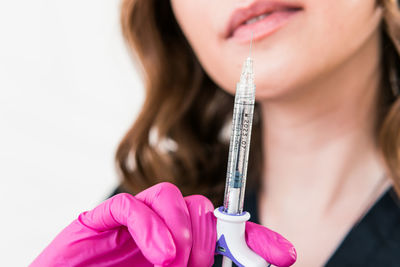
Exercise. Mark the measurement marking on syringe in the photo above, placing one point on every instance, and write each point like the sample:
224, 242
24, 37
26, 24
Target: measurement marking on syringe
244, 104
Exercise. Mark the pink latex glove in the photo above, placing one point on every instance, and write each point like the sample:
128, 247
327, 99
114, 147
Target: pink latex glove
157, 227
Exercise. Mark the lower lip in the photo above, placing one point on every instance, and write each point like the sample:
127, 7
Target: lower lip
263, 27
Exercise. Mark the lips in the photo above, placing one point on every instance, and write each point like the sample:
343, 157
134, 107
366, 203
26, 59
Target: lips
259, 18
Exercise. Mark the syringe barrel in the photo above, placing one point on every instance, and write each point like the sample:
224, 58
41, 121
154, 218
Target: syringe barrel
239, 148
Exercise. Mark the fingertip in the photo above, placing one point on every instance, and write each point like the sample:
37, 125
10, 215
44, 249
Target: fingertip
159, 189
287, 257
279, 252
109, 214
293, 254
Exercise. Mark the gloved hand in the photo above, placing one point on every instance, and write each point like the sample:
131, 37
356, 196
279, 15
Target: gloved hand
157, 227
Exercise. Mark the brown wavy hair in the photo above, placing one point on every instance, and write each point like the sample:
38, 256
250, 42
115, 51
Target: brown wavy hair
180, 133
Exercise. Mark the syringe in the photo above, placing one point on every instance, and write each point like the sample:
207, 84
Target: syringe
240, 140
231, 220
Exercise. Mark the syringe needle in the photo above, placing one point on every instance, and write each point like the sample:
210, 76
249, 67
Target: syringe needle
251, 42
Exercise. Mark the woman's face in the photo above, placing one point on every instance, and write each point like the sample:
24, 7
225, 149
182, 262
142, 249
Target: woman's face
298, 43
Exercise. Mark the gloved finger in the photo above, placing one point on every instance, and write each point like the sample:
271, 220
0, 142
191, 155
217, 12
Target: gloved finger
147, 229
167, 201
270, 245
204, 231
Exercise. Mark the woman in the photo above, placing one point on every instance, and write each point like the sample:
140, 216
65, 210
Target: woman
324, 153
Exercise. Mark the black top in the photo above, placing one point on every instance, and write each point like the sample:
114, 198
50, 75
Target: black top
373, 241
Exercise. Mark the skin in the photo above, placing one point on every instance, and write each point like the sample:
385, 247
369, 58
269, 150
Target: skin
317, 82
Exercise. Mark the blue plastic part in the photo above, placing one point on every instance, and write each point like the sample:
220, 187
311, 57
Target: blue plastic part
223, 249
222, 210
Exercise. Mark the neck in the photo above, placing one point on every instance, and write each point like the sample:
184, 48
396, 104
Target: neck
322, 142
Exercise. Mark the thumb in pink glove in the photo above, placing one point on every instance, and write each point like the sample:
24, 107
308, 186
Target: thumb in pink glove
156, 227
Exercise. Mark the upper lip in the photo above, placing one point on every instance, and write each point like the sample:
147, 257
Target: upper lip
257, 8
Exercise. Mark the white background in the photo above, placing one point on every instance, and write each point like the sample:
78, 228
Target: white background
68, 93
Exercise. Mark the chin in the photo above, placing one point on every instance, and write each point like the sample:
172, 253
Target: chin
268, 94
270, 91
